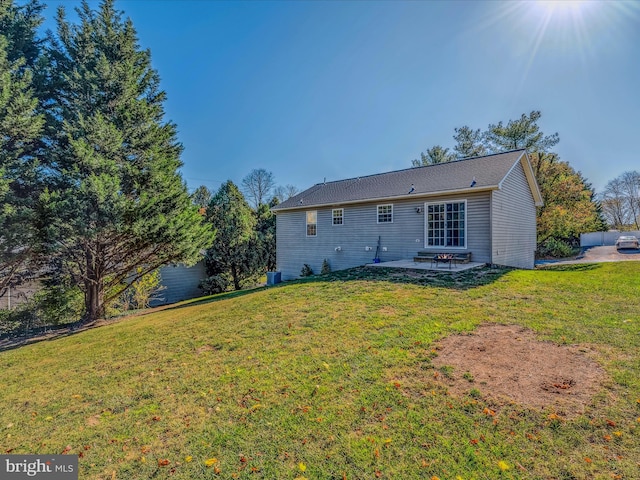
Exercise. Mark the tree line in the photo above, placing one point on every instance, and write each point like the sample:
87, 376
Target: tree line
92, 202
244, 248
571, 206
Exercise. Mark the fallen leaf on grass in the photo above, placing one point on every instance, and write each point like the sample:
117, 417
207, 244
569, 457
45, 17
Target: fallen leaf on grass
209, 462
502, 465
163, 462
302, 467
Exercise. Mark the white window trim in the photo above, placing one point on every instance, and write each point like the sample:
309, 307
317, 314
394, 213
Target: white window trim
306, 218
341, 216
426, 226
378, 212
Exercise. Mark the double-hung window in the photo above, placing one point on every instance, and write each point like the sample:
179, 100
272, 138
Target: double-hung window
337, 216
385, 213
312, 223
446, 224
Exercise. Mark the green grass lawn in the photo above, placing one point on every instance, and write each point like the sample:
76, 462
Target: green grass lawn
301, 381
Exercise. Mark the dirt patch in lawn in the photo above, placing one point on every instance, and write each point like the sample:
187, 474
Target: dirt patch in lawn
507, 363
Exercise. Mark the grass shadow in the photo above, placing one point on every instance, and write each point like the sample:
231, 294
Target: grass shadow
571, 267
465, 280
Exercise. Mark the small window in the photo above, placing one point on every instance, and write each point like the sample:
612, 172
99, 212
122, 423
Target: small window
312, 223
337, 215
385, 213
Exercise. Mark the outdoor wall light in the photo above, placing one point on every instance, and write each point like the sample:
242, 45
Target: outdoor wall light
418, 210
338, 249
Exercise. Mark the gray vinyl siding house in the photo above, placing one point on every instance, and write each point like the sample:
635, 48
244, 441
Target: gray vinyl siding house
485, 206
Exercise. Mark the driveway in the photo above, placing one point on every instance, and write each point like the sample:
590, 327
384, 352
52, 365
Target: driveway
598, 255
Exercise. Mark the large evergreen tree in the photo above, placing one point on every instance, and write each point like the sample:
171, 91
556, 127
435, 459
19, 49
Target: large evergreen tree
116, 207
469, 142
234, 252
521, 133
266, 235
434, 155
20, 130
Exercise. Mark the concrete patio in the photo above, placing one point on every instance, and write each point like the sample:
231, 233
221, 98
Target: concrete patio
440, 267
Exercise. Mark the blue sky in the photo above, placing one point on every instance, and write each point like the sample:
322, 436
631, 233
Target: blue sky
336, 89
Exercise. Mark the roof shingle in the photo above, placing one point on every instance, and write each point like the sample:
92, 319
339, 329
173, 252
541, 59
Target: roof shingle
488, 171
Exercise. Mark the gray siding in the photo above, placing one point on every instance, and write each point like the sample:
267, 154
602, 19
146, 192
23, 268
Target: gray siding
513, 222
402, 239
19, 295
180, 282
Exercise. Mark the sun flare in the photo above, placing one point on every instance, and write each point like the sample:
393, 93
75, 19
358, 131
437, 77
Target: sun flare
562, 7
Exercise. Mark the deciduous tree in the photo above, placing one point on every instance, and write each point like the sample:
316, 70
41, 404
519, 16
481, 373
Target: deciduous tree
569, 208
621, 201
257, 186
285, 192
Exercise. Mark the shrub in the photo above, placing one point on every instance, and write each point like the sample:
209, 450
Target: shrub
145, 289
58, 304
214, 284
552, 247
53, 305
17, 321
306, 271
326, 268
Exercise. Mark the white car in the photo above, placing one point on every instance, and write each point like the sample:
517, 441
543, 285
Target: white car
627, 241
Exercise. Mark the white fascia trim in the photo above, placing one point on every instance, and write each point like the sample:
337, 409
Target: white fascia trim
525, 161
